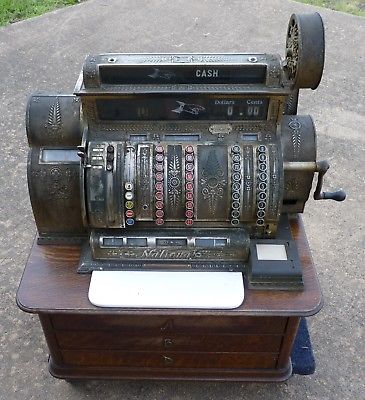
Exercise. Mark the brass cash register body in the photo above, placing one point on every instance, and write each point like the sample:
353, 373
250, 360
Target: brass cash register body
180, 161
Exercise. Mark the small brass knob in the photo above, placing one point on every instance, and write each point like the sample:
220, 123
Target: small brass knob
168, 360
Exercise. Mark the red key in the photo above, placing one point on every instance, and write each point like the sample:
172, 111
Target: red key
159, 213
189, 214
159, 186
129, 213
159, 195
159, 205
189, 176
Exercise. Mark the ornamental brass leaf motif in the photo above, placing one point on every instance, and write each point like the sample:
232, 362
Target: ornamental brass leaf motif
295, 126
212, 181
174, 182
145, 178
54, 122
292, 50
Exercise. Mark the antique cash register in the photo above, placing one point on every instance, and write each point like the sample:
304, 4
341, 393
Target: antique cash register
181, 162
167, 193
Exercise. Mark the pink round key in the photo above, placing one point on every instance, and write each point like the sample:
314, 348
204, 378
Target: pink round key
159, 196
159, 167
159, 213
159, 205
189, 176
159, 186
159, 157
159, 176
189, 214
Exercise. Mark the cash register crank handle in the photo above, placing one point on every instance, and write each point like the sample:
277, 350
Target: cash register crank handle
339, 195
321, 167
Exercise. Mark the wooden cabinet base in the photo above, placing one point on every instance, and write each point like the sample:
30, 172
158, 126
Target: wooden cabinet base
165, 347
250, 343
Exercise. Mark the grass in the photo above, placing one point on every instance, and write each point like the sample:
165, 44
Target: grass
356, 7
16, 10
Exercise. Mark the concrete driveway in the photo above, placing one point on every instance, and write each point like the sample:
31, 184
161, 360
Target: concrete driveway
47, 53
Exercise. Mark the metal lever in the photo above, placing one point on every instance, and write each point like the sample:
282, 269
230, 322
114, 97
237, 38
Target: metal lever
322, 167
82, 154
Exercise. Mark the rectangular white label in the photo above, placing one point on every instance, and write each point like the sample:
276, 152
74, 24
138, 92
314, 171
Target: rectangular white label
271, 252
60, 156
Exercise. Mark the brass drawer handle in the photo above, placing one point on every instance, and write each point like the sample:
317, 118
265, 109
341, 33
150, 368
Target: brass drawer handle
168, 360
168, 342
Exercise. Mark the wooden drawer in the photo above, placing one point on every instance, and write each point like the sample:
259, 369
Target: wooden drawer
189, 324
113, 358
94, 340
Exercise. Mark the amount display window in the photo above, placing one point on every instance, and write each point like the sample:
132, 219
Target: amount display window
167, 107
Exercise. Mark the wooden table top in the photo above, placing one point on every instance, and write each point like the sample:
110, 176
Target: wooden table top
50, 284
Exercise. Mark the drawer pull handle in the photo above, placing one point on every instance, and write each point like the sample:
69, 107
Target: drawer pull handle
168, 360
168, 342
